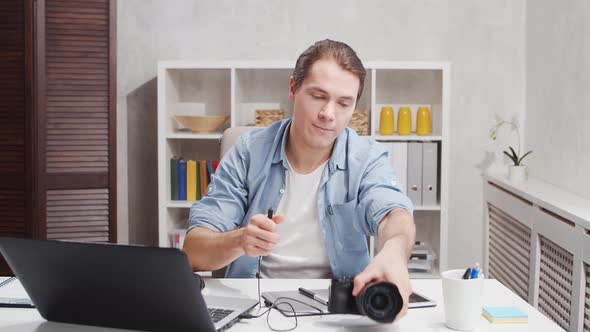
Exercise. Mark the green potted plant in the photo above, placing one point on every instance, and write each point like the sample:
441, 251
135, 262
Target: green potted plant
517, 172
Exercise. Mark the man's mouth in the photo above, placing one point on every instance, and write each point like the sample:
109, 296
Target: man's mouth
322, 128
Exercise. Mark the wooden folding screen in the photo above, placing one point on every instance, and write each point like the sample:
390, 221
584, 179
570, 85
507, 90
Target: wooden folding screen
57, 120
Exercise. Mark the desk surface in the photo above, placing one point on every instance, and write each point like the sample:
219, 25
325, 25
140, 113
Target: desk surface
423, 319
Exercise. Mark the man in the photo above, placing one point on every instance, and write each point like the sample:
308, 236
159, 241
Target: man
329, 187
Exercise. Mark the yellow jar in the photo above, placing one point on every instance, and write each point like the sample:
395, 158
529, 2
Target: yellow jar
423, 124
386, 121
404, 121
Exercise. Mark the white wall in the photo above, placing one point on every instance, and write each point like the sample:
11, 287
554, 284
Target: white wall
558, 92
484, 40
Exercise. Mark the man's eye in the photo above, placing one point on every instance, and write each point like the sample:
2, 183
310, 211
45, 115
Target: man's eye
344, 105
317, 97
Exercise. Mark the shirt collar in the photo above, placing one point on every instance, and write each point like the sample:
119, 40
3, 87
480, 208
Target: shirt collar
337, 159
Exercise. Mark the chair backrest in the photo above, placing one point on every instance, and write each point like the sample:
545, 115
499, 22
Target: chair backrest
228, 139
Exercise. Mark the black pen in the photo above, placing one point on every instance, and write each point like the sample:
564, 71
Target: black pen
269, 216
467, 273
313, 295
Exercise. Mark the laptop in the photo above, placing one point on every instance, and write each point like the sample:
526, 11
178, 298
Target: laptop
118, 286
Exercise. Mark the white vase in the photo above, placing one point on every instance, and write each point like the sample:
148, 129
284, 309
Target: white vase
517, 173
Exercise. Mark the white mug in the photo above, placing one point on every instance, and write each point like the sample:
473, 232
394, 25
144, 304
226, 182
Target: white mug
462, 299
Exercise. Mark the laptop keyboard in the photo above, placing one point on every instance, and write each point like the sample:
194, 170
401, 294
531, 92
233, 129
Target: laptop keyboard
218, 314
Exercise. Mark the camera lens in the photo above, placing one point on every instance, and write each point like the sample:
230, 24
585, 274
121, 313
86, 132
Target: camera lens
380, 301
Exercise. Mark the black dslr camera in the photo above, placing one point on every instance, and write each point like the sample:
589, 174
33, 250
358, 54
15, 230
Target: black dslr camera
380, 301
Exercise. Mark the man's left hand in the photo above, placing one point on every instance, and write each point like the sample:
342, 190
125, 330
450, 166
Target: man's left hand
390, 264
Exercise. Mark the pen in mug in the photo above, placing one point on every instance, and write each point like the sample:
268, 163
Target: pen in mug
471, 272
475, 271
467, 273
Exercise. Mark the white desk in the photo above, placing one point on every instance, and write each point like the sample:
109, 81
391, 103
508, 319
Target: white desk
423, 319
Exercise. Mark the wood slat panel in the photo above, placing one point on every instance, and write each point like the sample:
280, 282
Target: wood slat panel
555, 282
13, 134
78, 214
12, 89
509, 251
587, 298
77, 74
12, 212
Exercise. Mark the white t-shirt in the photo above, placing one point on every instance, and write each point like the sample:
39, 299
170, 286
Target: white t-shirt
301, 251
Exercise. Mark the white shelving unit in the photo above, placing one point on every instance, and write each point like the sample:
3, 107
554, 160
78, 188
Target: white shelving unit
238, 88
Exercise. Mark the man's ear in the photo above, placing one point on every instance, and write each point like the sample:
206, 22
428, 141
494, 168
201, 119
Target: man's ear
291, 89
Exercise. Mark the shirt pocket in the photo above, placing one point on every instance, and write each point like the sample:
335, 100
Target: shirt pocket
345, 219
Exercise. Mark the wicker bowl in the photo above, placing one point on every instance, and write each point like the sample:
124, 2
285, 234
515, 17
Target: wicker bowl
265, 118
202, 124
360, 122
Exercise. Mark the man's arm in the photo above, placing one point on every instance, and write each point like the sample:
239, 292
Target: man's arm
398, 225
208, 250
396, 235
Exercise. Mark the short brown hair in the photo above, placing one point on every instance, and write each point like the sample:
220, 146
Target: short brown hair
343, 54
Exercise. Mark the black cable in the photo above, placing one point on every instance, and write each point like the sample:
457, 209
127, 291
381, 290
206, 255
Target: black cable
278, 301
294, 315
283, 300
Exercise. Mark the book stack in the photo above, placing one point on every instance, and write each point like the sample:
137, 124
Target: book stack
422, 258
189, 178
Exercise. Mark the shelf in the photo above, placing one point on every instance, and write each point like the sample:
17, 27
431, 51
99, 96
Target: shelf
238, 88
180, 204
425, 275
188, 204
411, 137
193, 136
427, 208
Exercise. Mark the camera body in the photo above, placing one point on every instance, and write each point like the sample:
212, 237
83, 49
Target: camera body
380, 301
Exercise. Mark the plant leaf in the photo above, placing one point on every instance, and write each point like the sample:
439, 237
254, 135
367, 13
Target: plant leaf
526, 154
513, 153
514, 160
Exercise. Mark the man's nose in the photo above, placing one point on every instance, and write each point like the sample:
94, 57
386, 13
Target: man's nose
328, 111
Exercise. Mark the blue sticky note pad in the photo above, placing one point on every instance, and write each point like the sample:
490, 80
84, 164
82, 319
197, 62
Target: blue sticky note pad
505, 312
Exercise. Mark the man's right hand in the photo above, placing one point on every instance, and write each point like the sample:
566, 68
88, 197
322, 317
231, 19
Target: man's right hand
260, 236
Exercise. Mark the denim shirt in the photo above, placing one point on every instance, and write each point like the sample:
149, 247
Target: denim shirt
357, 189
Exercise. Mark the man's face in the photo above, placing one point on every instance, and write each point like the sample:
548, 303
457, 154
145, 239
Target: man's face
323, 104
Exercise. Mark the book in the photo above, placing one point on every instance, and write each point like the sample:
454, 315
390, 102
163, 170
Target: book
198, 180
191, 180
504, 315
182, 180
177, 238
174, 179
215, 164
203, 177
209, 171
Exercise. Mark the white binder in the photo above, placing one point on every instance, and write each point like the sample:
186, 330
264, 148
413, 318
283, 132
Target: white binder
415, 173
400, 163
429, 173
398, 155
